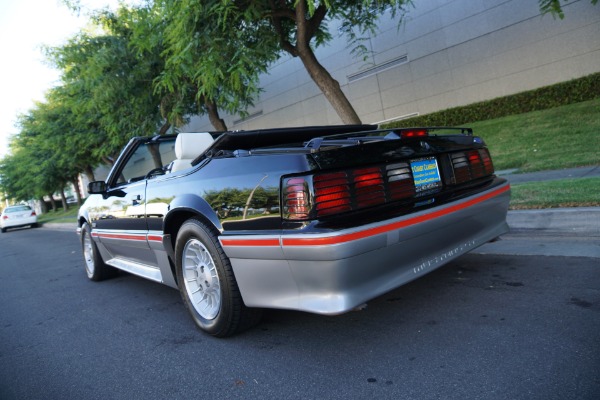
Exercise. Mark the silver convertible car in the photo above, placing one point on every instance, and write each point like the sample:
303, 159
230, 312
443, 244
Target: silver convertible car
318, 219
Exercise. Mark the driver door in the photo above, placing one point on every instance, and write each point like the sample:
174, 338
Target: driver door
121, 226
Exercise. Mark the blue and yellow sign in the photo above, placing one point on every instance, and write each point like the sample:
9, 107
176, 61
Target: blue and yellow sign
426, 174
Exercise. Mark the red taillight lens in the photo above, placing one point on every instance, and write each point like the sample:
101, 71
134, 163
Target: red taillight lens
414, 133
477, 170
368, 185
332, 193
33, 214
488, 165
471, 165
5, 217
296, 199
367, 177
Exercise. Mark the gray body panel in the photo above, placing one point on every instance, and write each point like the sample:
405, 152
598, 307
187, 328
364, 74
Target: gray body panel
335, 272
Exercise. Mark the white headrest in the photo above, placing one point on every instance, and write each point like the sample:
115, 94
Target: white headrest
189, 145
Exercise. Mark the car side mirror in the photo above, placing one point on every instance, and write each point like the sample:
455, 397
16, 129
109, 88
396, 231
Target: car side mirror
97, 187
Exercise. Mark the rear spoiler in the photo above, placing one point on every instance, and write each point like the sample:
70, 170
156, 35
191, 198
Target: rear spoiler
322, 143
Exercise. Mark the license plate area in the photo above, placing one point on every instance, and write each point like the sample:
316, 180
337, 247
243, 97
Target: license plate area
426, 174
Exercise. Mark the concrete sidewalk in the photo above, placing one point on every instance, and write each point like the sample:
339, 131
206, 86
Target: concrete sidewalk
580, 172
62, 226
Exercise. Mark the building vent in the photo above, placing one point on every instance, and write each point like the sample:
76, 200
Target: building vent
248, 117
378, 68
405, 116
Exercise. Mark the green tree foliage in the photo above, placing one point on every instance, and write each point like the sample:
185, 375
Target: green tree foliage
16, 180
249, 34
554, 7
211, 67
106, 97
111, 81
38, 163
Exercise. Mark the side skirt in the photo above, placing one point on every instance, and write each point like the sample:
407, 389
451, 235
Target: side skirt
139, 269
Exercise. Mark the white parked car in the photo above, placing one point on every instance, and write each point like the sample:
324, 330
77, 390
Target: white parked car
17, 216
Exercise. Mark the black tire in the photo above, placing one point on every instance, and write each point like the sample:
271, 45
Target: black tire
3, 230
207, 283
95, 267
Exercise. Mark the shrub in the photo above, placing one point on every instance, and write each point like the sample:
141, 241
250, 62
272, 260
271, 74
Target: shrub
573, 91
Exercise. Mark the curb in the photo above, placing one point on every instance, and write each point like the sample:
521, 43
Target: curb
580, 220
65, 226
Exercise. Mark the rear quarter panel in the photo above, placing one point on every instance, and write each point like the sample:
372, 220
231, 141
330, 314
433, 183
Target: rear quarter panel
234, 194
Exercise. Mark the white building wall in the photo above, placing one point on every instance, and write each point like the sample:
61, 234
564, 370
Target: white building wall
457, 52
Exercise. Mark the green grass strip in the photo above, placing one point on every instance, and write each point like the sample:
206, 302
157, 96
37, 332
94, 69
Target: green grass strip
572, 192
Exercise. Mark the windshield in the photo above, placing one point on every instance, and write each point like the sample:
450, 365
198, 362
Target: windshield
17, 209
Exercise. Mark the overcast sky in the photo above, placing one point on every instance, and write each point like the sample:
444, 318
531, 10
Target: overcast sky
26, 25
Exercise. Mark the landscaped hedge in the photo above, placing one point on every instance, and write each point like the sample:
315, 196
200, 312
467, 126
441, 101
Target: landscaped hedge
574, 91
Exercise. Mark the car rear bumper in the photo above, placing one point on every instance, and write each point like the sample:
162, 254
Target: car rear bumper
331, 273
20, 222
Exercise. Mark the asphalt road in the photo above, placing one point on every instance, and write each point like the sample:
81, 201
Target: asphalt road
484, 327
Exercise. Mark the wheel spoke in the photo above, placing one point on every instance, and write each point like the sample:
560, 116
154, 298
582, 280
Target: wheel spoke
197, 290
189, 267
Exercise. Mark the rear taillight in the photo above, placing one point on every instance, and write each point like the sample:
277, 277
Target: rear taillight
33, 214
471, 165
476, 164
488, 166
5, 217
296, 199
400, 181
332, 193
368, 186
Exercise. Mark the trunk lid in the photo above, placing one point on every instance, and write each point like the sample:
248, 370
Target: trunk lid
363, 170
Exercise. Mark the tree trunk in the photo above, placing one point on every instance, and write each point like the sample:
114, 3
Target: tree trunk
43, 205
108, 160
249, 200
89, 172
63, 198
213, 115
163, 129
329, 86
155, 153
52, 202
77, 190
